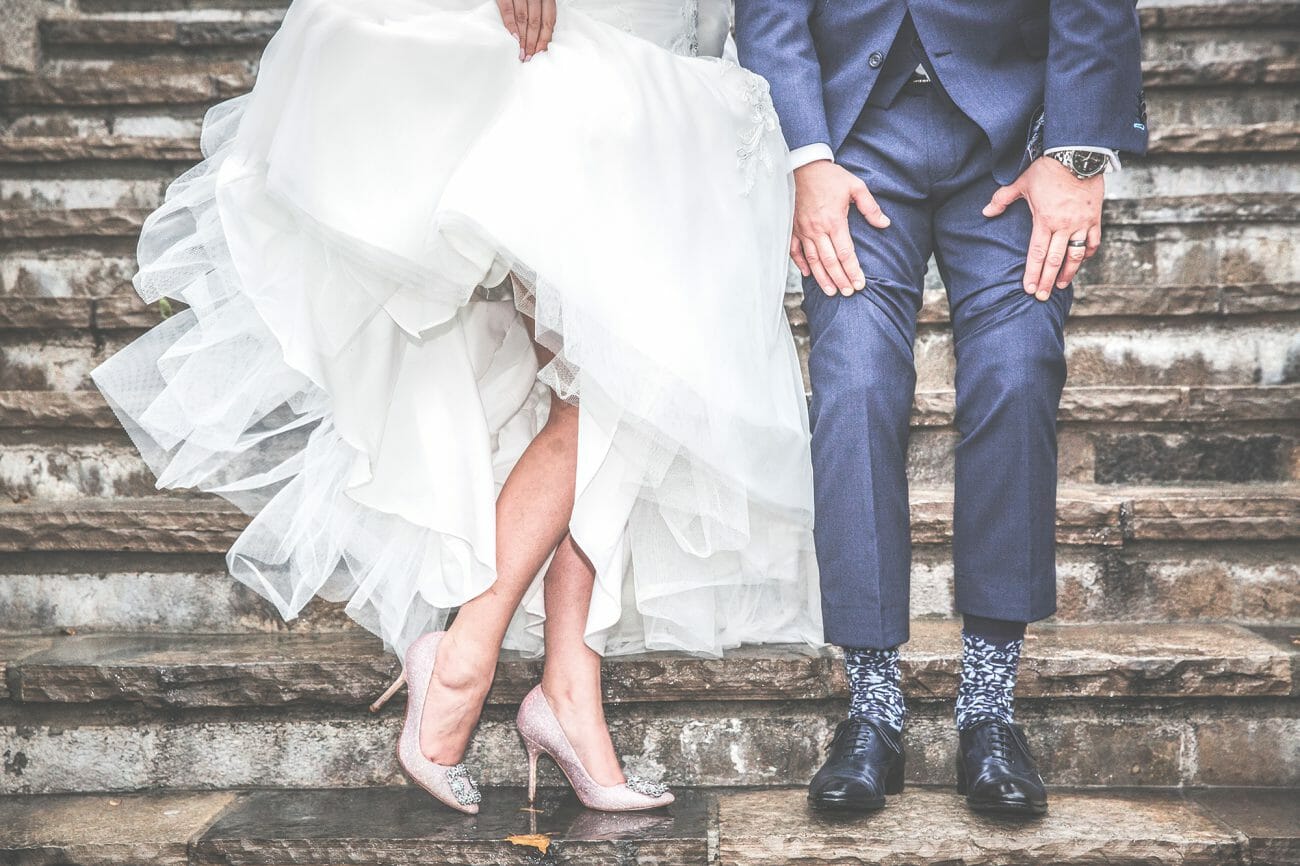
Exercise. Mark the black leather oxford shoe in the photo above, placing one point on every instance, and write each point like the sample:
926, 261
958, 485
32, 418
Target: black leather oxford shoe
996, 772
865, 764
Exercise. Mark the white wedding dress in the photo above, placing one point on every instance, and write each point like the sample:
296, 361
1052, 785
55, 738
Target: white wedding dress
342, 374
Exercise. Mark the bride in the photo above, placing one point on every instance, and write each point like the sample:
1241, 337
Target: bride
484, 312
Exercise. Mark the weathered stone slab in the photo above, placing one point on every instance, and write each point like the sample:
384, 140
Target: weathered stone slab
60, 410
1248, 751
934, 826
1269, 70
104, 830
405, 827
1232, 404
67, 273
72, 748
13, 650
131, 82
21, 312
57, 223
1241, 513
49, 149
1139, 457
1259, 207
144, 594
67, 471
1105, 516
72, 466
1246, 583
1255, 138
157, 525
219, 28
1270, 819
1181, 15
350, 668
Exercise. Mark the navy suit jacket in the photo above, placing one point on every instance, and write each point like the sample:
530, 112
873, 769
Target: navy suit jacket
1000, 60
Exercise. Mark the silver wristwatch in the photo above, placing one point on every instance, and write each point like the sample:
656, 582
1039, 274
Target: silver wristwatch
1082, 163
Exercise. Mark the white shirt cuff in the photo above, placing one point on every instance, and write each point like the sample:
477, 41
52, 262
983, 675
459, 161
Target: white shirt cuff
801, 156
1112, 157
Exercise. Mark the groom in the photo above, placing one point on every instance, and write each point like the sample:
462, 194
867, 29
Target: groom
979, 133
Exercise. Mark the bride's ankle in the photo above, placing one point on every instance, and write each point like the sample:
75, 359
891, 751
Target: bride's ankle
461, 668
569, 697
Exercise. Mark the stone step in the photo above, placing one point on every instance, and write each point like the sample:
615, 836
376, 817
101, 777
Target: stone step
1087, 515
1101, 352
200, 28
705, 827
1198, 126
1180, 140
182, 80
124, 311
1247, 582
119, 208
1158, 435
190, 671
1127, 405
1114, 704
1207, 261
772, 828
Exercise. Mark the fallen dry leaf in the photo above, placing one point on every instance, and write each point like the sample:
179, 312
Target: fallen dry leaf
540, 841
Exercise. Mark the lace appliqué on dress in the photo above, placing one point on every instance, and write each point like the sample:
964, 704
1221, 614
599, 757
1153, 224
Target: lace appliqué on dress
688, 43
755, 153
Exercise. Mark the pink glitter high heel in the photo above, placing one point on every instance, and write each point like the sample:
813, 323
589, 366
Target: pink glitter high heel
543, 735
451, 785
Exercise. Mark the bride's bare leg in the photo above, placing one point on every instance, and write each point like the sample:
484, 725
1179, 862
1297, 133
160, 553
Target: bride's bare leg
532, 515
571, 680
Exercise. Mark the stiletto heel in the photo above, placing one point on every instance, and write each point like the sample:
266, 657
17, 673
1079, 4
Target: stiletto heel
534, 752
450, 785
542, 733
392, 690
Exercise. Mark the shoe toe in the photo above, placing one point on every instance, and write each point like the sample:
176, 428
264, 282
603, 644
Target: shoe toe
1015, 794
839, 788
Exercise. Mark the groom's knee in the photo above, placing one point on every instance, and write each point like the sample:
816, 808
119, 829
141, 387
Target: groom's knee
1020, 370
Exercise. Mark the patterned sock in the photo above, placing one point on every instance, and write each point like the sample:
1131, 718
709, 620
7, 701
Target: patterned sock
990, 659
875, 686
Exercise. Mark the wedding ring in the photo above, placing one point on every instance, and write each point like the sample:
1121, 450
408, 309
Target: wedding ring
1077, 244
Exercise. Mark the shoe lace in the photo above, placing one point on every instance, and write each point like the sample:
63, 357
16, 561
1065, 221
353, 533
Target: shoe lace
857, 735
1000, 740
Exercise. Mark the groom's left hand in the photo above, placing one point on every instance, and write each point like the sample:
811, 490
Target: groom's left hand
1065, 209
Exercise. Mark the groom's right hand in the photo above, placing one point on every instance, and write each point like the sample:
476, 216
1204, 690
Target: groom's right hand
822, 246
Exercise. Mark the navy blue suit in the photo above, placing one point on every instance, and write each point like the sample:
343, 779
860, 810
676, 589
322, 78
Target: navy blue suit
932, 155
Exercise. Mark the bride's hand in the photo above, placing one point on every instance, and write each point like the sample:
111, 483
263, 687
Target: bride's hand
531, 22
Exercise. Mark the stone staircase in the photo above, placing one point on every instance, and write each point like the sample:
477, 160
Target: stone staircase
152, 711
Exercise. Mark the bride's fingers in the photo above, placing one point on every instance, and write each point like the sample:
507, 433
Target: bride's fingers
521, 26
534, 27
507, 10
796, 255
548, 25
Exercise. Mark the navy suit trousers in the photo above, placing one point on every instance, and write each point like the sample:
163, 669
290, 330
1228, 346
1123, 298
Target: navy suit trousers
931, 169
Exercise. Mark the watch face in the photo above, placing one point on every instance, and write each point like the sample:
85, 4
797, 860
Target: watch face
1088, 163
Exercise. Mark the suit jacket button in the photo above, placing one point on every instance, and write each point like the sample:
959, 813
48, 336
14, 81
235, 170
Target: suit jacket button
875, 59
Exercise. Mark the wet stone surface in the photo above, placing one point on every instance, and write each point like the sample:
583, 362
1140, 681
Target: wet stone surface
108, 830
934, 826
1271, 819
397, 826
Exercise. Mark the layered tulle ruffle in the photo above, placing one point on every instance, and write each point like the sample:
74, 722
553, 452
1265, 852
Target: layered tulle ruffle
340, 374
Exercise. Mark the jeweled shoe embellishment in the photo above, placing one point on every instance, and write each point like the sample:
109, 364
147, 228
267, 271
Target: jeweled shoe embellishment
646, 787
462, 785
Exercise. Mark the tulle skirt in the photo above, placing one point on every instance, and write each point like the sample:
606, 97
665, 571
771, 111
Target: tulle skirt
352, 367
